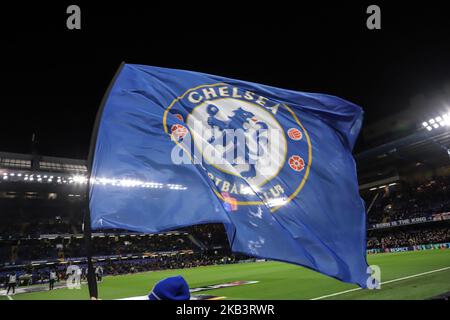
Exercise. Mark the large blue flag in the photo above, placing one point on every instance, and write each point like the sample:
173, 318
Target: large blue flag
176, 148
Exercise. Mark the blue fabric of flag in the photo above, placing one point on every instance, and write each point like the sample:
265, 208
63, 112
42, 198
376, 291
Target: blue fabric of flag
294, 198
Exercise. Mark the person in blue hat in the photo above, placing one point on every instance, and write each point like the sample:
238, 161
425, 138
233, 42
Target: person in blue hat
172, 288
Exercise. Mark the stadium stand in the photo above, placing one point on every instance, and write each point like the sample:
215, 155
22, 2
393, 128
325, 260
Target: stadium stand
411, 201
41, 209
408, 236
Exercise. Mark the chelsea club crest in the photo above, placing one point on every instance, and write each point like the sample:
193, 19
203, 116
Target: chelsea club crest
255, 149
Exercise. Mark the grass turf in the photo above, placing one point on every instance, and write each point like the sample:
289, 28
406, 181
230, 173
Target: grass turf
282, 280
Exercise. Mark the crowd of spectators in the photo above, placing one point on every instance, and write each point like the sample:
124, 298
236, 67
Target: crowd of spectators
410, 201
32, 229
29, 218
211, 235
40, 274
407, 237
174, 261
26, 250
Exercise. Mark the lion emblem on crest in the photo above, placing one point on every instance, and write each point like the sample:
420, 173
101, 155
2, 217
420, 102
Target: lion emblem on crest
247, 122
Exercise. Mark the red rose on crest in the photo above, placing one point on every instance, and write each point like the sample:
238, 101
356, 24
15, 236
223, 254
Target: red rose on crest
296, 163
178, 131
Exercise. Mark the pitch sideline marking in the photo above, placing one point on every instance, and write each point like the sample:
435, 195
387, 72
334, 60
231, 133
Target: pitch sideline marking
10, 298
386, 282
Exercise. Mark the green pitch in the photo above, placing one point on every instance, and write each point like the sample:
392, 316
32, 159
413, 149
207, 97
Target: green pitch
285, 281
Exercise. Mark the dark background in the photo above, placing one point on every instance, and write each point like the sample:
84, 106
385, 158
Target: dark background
53, 79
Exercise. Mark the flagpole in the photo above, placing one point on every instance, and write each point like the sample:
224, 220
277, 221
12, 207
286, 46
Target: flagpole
92, 283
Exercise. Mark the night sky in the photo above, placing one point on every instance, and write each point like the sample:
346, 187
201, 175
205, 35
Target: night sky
53, 79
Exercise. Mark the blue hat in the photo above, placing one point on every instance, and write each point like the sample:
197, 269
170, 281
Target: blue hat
172, 288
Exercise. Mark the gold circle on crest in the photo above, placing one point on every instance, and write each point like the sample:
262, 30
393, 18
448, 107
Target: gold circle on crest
247, 203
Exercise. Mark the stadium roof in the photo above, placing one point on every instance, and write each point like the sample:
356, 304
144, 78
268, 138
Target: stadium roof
20, 161
422, 149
